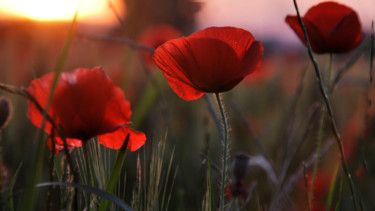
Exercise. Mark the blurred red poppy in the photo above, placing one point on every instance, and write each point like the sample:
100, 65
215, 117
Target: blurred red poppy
331, 28
86, 104
155, 36
212, 60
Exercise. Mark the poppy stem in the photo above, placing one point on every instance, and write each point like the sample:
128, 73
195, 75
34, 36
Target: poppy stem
329, 108
225, 151
322, 125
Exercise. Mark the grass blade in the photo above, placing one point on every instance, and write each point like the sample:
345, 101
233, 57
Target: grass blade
332, 188
11, 185
111, 186
89, 189
37, 165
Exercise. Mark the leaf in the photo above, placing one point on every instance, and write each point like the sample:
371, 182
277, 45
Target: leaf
90, 189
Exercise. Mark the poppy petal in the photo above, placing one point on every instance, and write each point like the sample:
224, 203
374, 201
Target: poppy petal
214, 64
166, 58
39, 89
240, 40
347, 31
317, 40
252, 58
331, 27
200, 63
116, 139
327, 15
84, 115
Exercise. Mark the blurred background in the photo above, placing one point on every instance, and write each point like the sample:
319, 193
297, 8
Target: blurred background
271, 107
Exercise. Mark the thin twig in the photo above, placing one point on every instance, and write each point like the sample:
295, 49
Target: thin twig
352, 61
322, 124
329, 108
369, 99
125, 41
372, 50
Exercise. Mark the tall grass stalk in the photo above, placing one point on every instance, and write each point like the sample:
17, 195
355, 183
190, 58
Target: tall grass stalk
28, 198
322, 125
332, 187
372, 49
154, 180
329, 109
115, 174
224, 173
11, 186
94, 172
306, 186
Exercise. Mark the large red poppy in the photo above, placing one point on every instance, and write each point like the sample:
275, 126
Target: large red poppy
211, 60
331, 28
86, 104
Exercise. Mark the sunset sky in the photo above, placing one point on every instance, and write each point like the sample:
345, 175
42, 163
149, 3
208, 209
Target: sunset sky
93, 11
265, 19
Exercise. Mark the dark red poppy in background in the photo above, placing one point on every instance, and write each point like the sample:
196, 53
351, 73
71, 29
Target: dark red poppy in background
211, 60
155, 36
331, 28
86, 104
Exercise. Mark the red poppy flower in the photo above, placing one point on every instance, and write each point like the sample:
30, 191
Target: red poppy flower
156, 36
211, 60
86, 104
331, 27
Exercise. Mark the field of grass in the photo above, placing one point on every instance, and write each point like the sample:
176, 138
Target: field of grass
283, 151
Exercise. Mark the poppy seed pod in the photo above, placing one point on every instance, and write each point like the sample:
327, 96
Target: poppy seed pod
241, 166
5, 112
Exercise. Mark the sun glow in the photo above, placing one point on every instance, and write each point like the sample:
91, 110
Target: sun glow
51, 10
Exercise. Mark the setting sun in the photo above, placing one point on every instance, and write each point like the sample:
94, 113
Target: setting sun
48, 10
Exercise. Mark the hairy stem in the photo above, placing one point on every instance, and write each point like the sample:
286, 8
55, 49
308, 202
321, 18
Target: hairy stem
225, 151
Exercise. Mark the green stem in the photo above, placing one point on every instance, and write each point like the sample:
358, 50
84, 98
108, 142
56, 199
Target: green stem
225, 152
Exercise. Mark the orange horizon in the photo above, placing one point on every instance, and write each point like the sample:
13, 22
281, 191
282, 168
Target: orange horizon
89, 11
